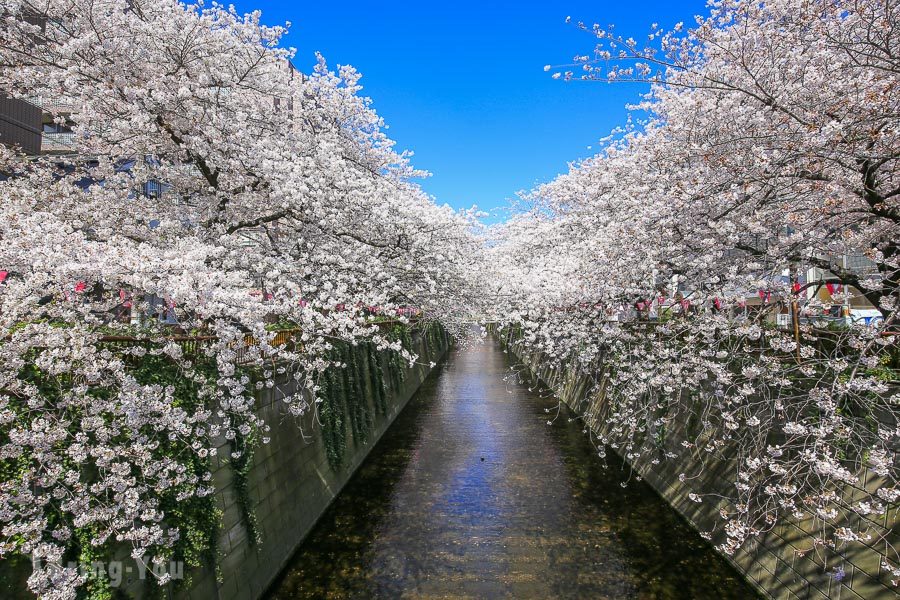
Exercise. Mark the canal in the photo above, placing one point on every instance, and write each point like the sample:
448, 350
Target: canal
471, 494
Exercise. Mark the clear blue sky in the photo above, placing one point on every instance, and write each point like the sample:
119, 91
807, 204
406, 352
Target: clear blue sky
461, 83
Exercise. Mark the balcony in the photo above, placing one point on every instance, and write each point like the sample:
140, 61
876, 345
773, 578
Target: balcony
58, 143
55, 105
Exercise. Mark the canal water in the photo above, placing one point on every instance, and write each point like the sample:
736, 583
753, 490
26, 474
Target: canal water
471, 494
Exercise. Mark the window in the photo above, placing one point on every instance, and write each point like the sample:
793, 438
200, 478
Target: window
56, 128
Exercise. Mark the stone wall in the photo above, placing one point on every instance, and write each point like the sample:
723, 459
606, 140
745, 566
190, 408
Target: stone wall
782, 564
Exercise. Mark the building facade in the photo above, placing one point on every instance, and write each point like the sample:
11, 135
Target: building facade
20, 124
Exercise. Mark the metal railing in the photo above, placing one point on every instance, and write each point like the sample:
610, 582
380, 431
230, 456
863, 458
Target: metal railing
58, 142
194, 345
55, 104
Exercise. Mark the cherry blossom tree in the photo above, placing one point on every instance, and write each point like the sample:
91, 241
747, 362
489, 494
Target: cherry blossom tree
282, 202
766, 147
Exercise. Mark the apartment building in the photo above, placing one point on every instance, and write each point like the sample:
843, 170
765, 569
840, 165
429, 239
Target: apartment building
20, 124
34, 127
21, 121
56, 126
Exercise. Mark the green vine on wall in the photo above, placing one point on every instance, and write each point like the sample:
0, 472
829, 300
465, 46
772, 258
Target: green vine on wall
97, 586
396, 363
245, 445
360, 415
197, 518
345, 410
379, 389
333, 422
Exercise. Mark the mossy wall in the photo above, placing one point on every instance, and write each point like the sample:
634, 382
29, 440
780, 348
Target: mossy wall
781, 564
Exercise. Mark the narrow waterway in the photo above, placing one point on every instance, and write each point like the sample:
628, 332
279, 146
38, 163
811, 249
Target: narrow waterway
471, 494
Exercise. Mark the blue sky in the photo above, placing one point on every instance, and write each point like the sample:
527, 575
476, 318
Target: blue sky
462, 84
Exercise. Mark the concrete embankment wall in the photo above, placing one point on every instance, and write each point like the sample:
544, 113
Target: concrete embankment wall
291, 481
783, 563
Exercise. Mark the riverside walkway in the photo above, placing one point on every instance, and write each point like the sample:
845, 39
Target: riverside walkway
471, 494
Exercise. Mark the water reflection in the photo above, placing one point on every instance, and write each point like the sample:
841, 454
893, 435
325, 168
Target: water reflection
471, 495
